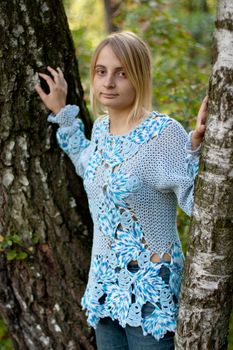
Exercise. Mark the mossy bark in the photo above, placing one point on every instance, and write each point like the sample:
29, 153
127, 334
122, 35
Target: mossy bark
206, 296
44, 211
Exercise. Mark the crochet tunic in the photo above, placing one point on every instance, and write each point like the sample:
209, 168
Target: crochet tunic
134, 183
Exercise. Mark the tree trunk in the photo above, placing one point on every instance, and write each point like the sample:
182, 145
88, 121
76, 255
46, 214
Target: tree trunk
200, 5
206, 297
111, 10
44, 217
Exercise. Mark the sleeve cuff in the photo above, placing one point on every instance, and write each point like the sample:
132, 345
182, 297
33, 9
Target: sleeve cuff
66, 116
188, 146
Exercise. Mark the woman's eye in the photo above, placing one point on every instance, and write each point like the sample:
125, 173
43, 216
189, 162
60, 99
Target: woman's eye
122, 74
100, 72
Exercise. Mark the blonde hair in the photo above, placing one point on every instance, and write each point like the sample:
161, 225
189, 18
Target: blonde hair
135, 57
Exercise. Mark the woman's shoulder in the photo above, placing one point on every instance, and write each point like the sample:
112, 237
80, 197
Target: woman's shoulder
163, 118
151, 127
155, 126
172, 134
164, 122
157, 118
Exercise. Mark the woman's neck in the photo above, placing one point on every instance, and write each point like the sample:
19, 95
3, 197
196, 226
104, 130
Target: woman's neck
120, 123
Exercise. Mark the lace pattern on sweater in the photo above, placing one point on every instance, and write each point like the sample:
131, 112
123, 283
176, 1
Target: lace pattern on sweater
114, 290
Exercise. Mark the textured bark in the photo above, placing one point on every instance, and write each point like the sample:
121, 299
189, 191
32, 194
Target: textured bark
206, 297
42, 200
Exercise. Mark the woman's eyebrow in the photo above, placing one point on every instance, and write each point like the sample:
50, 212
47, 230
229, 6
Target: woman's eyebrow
102, 66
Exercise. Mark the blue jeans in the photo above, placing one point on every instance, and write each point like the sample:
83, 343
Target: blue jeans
111, 336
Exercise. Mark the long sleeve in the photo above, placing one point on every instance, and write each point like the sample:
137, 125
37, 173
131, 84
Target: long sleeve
71, 138
177, 165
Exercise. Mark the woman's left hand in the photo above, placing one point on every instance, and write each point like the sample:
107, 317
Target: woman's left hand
199, 132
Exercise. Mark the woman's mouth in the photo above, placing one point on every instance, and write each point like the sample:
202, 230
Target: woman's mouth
107, 95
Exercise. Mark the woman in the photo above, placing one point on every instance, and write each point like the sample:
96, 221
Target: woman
138, 166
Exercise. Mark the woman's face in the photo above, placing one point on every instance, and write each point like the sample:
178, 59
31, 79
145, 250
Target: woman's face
111, 85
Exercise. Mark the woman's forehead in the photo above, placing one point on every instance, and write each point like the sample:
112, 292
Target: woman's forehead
107, 57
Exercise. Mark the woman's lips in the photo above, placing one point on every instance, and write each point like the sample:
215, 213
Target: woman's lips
108, 95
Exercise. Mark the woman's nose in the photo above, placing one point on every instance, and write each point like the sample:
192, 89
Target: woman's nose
109, 81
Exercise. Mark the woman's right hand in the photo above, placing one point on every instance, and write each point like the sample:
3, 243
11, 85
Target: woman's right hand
56, 99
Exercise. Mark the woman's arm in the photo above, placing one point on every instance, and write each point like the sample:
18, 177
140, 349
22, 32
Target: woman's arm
171, 171
176, 159
70, 134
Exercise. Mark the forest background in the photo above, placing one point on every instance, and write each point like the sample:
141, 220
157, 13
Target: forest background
179, 34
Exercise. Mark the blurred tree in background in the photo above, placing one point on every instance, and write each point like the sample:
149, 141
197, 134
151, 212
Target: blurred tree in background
179, 34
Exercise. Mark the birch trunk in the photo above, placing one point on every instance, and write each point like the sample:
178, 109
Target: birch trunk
44, 217
206, 297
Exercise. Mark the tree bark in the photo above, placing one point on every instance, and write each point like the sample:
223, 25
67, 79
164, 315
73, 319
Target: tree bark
206, 296
45, 223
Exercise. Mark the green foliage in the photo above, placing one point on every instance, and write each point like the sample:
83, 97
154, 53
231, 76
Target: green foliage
87, 24
12, 246
181, 64
5, 342
18, 247
14, 254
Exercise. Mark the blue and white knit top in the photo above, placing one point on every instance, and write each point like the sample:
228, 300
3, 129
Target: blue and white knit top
134, 183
